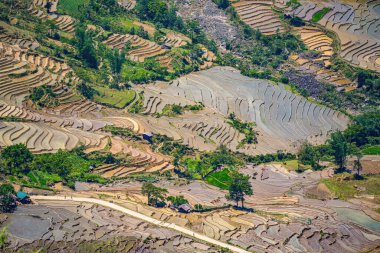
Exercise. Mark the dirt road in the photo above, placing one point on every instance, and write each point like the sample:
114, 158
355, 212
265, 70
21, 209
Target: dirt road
151, 220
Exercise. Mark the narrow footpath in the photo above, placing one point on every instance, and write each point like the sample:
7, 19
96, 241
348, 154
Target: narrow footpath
140, 216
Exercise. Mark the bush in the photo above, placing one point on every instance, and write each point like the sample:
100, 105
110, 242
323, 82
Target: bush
245, 128
364, 128
278, 157
7, 199
44, 169
177, 200
43, 96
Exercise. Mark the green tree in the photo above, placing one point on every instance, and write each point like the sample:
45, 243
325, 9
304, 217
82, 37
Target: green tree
86, 90
222, 4
7, 199
86, 47
177, 200
365, 128
196, 168
239, 187
357, 162
155, 194
340, 148
308, 155
177, 109
16, 159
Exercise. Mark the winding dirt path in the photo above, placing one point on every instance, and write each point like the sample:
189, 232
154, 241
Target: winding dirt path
144, 218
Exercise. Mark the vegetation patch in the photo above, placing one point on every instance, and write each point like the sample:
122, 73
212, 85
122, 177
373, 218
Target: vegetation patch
372, 150
72, 7
320, 14
20, 166
172, 110
44, 96
245, 128
344, 186
293, 4
291, 165
114, 98
137, 105
205, 163
13, 119
220, 178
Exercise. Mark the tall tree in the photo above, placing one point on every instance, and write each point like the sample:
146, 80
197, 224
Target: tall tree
308, 155
239, 187
7, 198
154, 193
85, 44
340, 148
357, 162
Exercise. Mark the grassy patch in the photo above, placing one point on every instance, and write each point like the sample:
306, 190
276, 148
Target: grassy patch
373, 150
114, 98
289, 165
42, 179
220, 179
344, 187
72, 7
320, 14
137, 74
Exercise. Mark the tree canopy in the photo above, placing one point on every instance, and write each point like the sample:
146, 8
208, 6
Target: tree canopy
240, 186
156, 195
340, 148
7, 198
308, 155
15, 159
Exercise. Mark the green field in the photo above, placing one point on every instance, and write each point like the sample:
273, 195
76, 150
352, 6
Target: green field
220, 179
289, 165
373, 150
320, 14
42, 179
115, 98
344, 189
72, 7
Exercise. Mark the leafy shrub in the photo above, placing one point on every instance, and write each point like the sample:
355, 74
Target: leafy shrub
43, 96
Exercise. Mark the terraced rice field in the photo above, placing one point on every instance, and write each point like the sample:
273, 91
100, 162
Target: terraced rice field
64, 22
259, 15
10, 38
281, 116
280, 224
176, 40
357, 25
143, 161
63, 127
21, 71
144, 48
70, 227
315, 39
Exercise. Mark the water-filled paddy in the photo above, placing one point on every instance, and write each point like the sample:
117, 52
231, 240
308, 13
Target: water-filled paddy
357, 217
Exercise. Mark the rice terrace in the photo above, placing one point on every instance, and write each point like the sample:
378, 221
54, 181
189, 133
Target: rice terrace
189, 126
